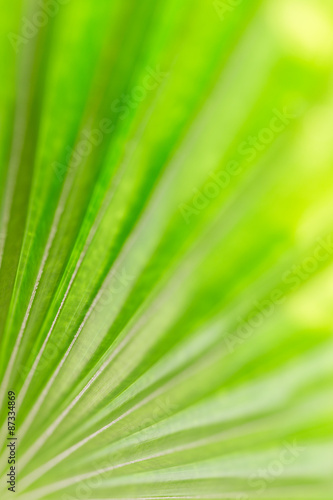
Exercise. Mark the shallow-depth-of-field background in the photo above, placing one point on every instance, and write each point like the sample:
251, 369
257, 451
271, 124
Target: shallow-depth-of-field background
166, 249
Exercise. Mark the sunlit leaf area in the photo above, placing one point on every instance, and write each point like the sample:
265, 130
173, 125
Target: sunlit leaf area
166, 249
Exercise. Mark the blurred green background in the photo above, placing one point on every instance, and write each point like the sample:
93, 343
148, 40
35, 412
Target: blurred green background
166, 248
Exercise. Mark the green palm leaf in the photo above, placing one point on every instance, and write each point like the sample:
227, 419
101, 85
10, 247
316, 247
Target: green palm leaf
166, 249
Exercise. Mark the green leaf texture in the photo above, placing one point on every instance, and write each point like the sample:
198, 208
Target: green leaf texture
166, 248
